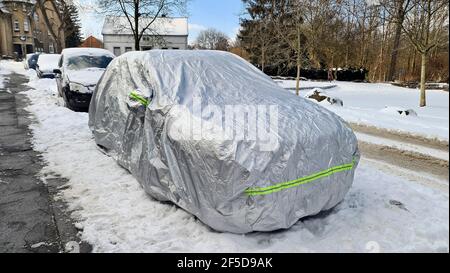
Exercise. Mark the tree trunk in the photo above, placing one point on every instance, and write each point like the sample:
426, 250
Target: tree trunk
137, 44
299, 62
398, 34
263, 59
49, 26
414, 65
423, 81
137, 39
297, 86
394, 54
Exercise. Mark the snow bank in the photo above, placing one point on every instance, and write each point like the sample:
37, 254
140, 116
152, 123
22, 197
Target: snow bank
365, 104
8, 67
117, 216
321, 97
395, 110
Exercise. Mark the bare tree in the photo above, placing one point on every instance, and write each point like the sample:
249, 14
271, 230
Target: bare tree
289, 27
141, 14
257, 30
398, 10
425, 32
283, 36
212, 39
55, 32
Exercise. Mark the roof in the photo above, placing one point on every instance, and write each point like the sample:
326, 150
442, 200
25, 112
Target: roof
92, 41
91, 37
164, 26
4, 9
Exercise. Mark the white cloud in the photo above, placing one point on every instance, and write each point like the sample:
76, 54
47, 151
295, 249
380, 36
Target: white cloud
196, 27
194, 30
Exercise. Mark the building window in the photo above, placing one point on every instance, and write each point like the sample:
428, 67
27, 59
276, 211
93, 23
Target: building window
117, 51
51, 48
128, 49
26, 25
175, 48
16, 25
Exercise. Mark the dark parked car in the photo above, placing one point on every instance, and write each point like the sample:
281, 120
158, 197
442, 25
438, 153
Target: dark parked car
31, 60
78, 72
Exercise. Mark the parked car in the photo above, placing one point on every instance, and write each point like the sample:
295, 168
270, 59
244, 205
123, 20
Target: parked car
78, 72
31, 60
211, 133
46, 65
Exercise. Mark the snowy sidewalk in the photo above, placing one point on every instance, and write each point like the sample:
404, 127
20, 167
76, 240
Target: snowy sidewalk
31, 221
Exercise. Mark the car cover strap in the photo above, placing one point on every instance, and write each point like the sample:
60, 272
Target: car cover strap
300, 181
135, 96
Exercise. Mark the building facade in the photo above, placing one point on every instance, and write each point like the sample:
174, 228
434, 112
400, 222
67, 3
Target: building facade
164, 33
23, 30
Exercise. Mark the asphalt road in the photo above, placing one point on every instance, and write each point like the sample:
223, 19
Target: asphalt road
31, 220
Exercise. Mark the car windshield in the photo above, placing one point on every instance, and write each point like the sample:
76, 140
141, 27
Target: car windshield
33, 58
83, 62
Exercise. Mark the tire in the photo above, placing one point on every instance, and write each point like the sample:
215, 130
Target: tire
65, 101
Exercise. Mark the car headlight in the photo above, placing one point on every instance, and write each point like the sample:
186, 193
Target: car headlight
76, 87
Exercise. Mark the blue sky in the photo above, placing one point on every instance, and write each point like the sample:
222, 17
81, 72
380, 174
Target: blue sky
220, 14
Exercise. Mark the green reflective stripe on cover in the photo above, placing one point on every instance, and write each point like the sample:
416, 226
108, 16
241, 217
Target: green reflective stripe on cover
139, 98
300, 181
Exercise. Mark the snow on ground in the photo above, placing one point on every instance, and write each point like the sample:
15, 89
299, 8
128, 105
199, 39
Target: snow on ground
384, 211
7, 67
365, 103
4, 70
403, 146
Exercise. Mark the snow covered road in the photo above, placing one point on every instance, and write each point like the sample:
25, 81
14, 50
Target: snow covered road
404, 146
387, 210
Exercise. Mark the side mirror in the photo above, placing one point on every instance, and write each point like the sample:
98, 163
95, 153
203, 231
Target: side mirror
57, 71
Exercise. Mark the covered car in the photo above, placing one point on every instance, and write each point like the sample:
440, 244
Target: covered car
209, 132
46, 65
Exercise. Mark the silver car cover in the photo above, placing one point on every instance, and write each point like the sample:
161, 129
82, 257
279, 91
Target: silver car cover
144, 113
